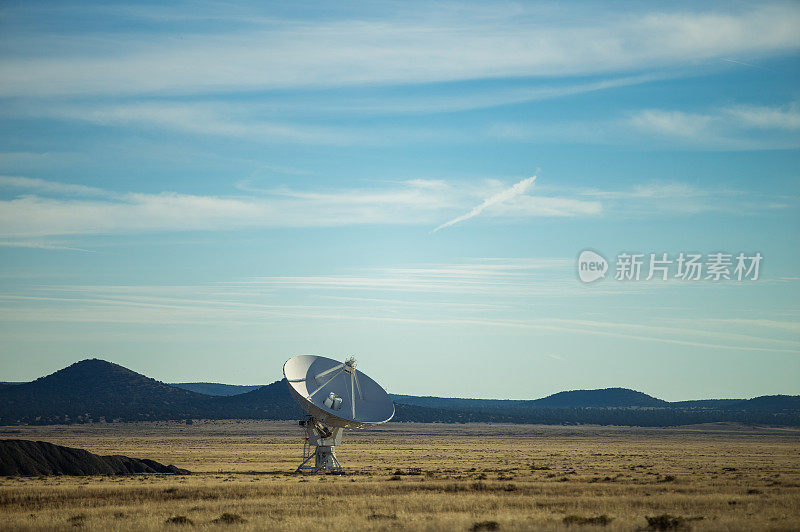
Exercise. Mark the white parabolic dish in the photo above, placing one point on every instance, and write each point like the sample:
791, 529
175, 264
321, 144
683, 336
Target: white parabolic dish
358, 401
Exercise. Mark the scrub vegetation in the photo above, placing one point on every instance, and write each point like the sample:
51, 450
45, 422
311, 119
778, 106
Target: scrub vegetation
420, 477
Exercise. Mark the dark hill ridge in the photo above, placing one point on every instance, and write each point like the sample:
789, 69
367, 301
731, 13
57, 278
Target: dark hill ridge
214, 388
601, 398
272, 401
96, 390
605, 398
33, 458
772, 403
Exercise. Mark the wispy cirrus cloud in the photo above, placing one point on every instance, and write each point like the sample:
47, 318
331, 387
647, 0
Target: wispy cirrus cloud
493, 295
759, 116
35, 244
48, 208
44, 186
35, 207
734, 127
203, 118
395, 45
265, 121
681, 198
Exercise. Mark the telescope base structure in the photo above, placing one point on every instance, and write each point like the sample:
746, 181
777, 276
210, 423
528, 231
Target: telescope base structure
318, 447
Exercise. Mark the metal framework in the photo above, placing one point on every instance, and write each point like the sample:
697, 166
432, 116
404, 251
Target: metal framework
323, 440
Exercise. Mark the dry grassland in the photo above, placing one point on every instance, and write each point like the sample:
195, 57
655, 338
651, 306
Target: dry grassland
420, 477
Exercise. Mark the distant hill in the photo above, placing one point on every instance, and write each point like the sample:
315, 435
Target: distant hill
96, 390
457, 402
93, 390
33, 458
605, 398
770, 403
214, 388
707, 403
272, 401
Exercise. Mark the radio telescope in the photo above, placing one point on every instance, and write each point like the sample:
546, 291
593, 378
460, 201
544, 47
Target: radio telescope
336, 396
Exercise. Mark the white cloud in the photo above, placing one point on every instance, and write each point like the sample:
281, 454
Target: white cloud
43, 186
40, 208
547, 206
53, 208
216, 118
736, 127
674, 123
401, 45
787, 117
35, 244
493, 295
732, 126
658, 190
245, 121
473, 98
665, 197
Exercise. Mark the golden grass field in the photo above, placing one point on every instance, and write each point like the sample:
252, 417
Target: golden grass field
419, 477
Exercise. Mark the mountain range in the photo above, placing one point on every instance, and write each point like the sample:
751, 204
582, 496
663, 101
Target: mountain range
95, 390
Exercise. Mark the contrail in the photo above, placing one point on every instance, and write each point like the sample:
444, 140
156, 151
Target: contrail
505, 195
748, 65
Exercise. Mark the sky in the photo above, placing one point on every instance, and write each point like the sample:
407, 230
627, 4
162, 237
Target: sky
200, 190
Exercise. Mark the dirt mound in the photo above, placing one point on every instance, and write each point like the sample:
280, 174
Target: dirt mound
30, 458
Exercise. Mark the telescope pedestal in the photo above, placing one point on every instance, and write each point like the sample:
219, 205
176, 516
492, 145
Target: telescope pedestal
323, 440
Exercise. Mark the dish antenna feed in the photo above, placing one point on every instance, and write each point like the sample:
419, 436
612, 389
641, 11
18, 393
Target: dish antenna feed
336, 397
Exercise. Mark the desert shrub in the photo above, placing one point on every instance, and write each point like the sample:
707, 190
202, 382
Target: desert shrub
410, 471
179, 520
77, 520
485, 525
665, 522
229, 519
376, 516
601, 520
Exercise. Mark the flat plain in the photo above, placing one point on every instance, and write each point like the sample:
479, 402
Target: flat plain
420, 477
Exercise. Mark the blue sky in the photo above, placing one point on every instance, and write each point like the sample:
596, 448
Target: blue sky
199, 191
